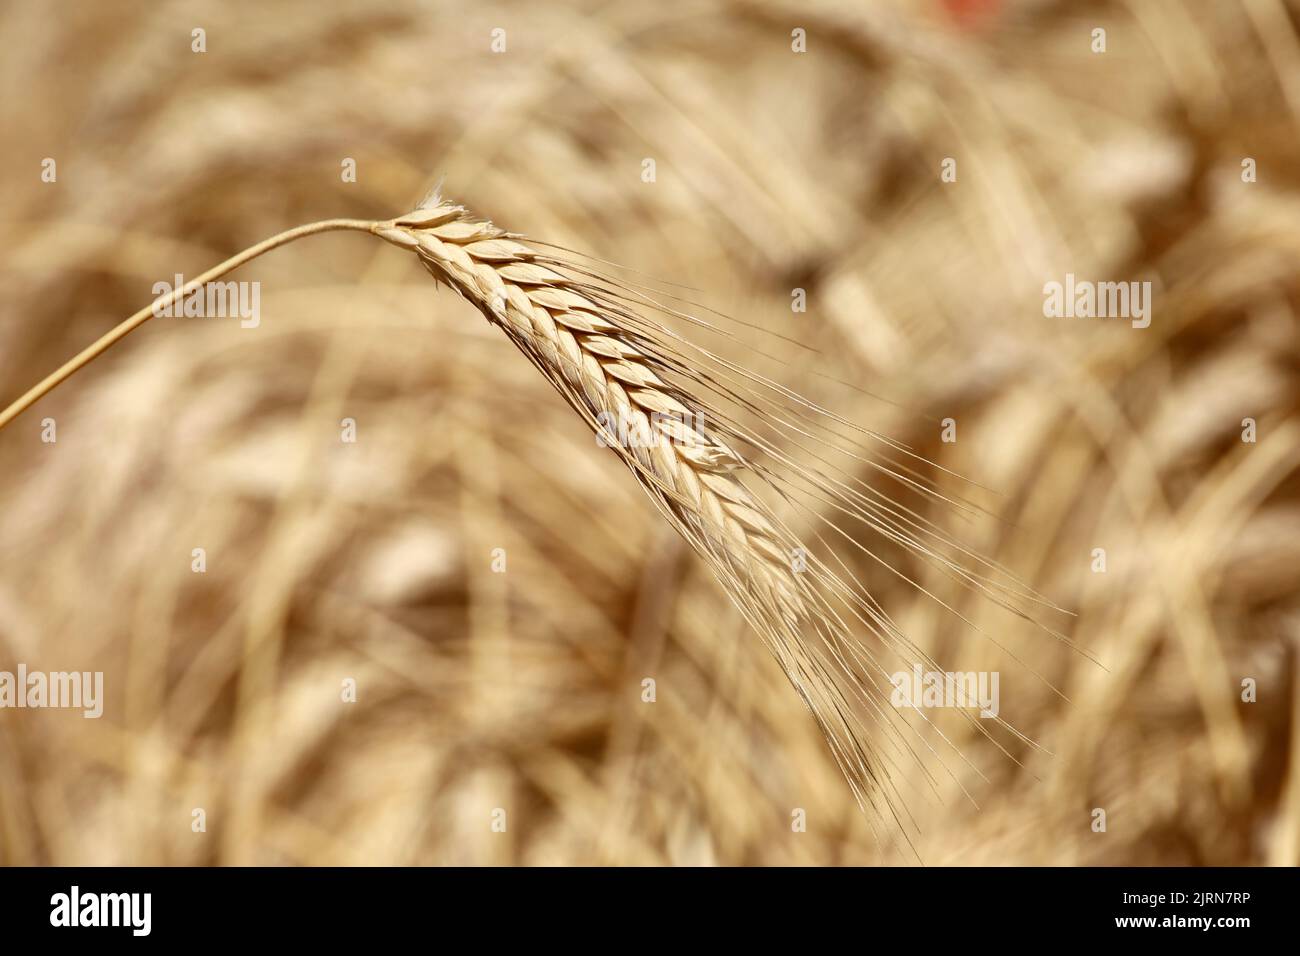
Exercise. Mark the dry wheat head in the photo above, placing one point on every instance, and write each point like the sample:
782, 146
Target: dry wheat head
664, 409
712, 444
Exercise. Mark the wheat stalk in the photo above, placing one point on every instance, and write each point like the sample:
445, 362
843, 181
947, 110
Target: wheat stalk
672, 411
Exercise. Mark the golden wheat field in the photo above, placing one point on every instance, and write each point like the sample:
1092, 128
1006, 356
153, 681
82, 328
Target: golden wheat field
363, 589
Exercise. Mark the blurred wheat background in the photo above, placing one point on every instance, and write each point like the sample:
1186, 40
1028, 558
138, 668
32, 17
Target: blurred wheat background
775, 170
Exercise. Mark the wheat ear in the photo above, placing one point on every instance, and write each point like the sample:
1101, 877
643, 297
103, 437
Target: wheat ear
612, 366
673, 411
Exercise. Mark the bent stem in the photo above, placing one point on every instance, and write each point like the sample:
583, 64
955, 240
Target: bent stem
127, 326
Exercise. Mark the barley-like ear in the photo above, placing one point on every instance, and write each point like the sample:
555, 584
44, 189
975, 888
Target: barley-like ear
671, 411
710, 442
